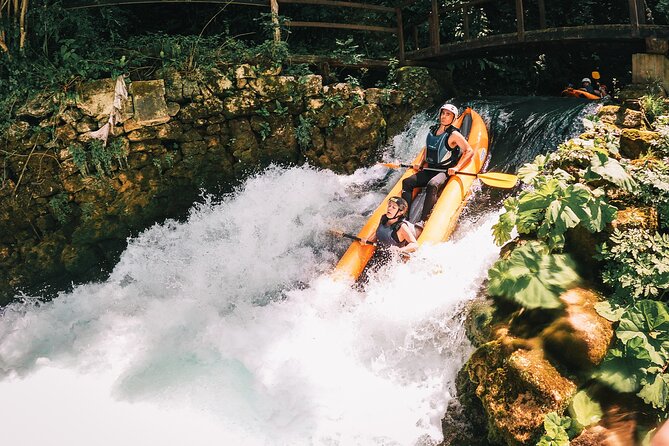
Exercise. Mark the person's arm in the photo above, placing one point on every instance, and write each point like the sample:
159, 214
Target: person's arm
421, 164
405, 235
467, 152
368, 241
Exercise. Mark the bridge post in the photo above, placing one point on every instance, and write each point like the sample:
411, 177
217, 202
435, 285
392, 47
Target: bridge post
520, 20
542, 14
465, 23
274, 6
634, 16
434, 27
400, 35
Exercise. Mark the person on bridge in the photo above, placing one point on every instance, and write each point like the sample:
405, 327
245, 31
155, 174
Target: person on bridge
586, 85
394, 229
447, 150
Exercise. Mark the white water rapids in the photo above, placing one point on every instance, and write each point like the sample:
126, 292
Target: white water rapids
227, 329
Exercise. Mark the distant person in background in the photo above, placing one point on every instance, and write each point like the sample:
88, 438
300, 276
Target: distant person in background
602, 91
586, 85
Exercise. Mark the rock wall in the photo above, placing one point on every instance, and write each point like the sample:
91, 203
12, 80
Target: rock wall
68, 201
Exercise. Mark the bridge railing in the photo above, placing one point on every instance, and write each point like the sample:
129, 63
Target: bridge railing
466, 21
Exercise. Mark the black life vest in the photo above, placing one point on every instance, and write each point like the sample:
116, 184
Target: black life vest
438, 153
387, 234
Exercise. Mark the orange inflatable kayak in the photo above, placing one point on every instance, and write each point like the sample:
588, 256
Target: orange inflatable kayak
579, 94
445, 212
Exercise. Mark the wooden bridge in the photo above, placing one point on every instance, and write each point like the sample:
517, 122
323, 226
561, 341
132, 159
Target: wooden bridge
425, 40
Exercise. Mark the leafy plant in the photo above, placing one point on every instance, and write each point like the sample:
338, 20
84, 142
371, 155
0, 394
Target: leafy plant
79, 158
60, 208
639, 359
347, 51
532, 276
636, 265
303, 132
265, 130
653, 106
584, 410
280, 109
558, 430
653, 180
553, 207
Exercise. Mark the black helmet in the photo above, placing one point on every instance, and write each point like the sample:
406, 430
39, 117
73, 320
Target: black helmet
400, 202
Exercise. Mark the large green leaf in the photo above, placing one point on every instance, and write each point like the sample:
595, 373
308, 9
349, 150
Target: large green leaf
532, 277
622, 374
611, 170
656, 391
585, 410
648, 320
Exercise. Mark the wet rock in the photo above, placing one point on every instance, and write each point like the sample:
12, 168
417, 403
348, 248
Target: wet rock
96, 98
148, 98
311, 85
516, 391
622, 117
637, 218
581, 337
634, 143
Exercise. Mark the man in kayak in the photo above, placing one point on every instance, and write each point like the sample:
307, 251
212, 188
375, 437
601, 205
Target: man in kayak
445, 149
394, 229
586, 85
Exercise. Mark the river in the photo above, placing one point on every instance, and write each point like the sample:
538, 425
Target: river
227, 329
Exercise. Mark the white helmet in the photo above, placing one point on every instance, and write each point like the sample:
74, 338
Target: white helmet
586, 79
450, 107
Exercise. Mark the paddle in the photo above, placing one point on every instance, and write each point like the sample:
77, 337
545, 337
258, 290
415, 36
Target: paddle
351, 236
494, 179
595, 75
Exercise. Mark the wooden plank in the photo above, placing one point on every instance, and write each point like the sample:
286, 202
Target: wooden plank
274, 7
503, 43
520, 20
317, 60
102, 3
400, 34
435, 41
465, 25
542, 14
341, 4
634, 15
381, 29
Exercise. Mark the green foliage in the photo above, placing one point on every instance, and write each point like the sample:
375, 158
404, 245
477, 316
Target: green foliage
654, 106
532, 276
653, 179
347, 51
87, 210
601, 166
303, 132
636, 265
558, 430
102, 156
60, 208
265, 130
639, 359
262, 111
280, 109
584, 410
551, 208
334, 100
79, 157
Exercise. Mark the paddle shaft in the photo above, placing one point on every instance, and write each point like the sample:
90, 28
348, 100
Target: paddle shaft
353, 237
436, 169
